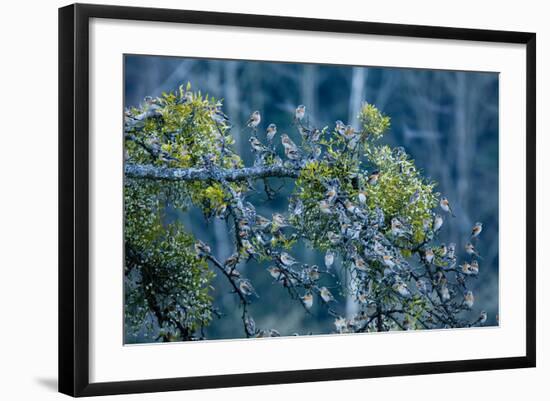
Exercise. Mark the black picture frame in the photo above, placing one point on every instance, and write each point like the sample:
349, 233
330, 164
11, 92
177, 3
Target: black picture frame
74, 198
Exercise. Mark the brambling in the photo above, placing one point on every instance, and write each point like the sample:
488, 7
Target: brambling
307, 300
300, 112
340, 127
373, 177
362, 197
476, 230
326, 295
329, 259
254, 120
287, 260
402, 289
271, 132
446, 206
470, 250
469, 299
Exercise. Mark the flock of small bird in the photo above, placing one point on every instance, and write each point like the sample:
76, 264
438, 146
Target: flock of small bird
354, 220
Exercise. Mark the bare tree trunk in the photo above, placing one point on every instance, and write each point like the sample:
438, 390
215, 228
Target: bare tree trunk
357, 94
232, 101
308, 90
462, 149
351, 306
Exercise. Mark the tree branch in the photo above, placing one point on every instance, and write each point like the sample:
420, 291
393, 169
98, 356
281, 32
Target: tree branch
203, 174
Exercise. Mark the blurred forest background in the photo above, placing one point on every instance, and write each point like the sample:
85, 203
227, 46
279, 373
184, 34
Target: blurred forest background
446, 120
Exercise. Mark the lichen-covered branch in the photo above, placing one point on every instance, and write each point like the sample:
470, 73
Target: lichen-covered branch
203, 174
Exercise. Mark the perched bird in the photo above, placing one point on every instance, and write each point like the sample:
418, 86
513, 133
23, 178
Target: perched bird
312, 273
362, 197
250, 325
476, 230
349, 132
254, 120
279, 220
407, 323
341, 324
256, 145
429, 255
331, 194
326, 295
469, 298
262, 222
307, 300
220, 210
300, 112
373, 177
329, 259
292, 153
445, 294
354, 231
271, 132
474, 267
149, 100
451, 250
188, 96
350, 207
219, 116
333, 237
201, 248
260, 238
325, 207
362, 297
243, 225
248, 247
398, 228
246, 287
298, 207
275, 272
379, 249
470, 250
340, 127
287, 142
262, 334
446, 206
274, 333
314, 135
438, 222
402, 289
438, 278
422, 286
414, 197
360, 264
482, 317
466, 268
388, 260
231, 261
287, 260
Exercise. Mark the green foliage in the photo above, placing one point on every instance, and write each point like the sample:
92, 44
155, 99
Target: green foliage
373, 123
166, 282
399, 182
364, 201
180, 127
351, 165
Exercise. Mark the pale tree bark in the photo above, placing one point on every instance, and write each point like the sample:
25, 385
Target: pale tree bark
308, 90
359, 77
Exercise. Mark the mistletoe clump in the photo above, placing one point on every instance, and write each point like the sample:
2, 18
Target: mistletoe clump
363, 204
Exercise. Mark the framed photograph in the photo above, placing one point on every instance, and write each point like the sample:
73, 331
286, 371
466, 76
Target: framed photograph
250, 199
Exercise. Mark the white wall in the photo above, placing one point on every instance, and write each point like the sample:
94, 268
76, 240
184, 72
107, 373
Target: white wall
28, 198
